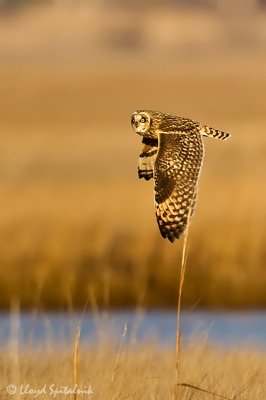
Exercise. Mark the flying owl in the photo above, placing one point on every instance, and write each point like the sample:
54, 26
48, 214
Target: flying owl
172, 153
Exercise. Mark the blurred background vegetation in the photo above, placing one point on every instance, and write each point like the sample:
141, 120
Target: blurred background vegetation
75, 222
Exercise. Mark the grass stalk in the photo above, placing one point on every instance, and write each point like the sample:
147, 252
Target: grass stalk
179, 303
75, 359
76, 349
179, 328
14, 347
118, 355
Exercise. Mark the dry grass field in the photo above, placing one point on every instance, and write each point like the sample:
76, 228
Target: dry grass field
143, 373
72, 209
76, 225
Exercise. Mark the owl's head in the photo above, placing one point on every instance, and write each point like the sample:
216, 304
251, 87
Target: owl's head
141, 122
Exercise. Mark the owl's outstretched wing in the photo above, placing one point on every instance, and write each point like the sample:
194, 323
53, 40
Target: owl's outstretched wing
177, 170
147, 157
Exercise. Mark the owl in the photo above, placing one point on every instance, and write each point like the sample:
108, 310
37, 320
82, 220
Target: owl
172, 153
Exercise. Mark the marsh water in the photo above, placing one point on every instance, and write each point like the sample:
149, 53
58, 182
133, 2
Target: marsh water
222, 328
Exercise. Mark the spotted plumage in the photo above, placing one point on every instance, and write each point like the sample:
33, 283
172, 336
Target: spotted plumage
147, 157
172, 153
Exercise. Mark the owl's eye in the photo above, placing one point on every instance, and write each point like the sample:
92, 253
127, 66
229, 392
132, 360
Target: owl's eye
143, 119
132, 120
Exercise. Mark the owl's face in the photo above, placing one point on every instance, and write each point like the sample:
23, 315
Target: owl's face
141, 122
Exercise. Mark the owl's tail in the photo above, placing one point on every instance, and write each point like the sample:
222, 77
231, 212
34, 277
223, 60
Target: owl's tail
214, 133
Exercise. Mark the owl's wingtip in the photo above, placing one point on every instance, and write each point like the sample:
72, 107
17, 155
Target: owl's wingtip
172, 239
171, 236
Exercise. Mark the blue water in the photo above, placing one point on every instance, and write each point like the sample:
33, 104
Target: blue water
223, 328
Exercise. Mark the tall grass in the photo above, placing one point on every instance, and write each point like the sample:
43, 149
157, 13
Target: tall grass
179, 303
143, 373
72, 209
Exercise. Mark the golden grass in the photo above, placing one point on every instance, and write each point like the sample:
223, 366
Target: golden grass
76, 224
182, 273
141, 373
72, 209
